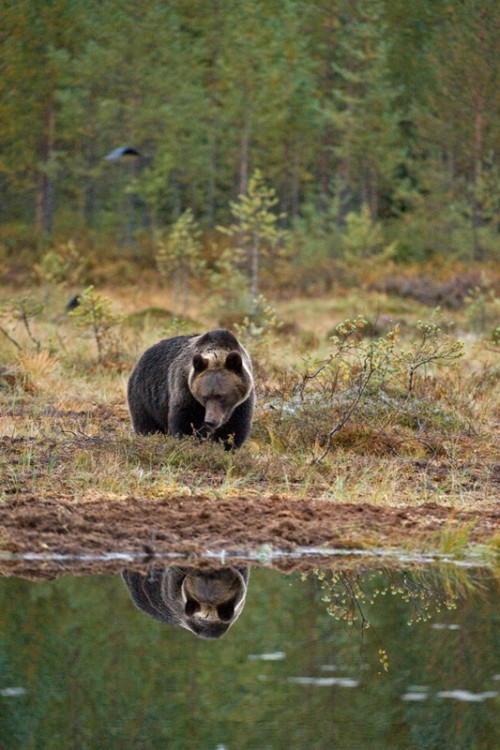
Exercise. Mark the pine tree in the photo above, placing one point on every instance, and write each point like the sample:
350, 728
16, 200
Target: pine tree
255, 229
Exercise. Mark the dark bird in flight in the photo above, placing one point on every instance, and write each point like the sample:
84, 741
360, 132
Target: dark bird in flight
117, 153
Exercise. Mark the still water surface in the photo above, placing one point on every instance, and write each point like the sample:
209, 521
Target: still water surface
383, 659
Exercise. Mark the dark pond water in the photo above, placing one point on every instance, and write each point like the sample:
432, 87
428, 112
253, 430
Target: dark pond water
335, 659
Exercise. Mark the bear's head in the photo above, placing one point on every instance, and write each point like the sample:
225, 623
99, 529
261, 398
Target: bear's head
205, 601
219, 382
212, 600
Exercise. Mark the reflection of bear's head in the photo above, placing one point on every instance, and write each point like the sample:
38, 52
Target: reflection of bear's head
219, 381
207, 602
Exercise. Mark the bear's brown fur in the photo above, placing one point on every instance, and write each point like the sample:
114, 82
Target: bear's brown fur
206, 602
194, 385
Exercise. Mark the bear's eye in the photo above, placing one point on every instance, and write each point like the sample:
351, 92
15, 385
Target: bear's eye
191, 607
226, 611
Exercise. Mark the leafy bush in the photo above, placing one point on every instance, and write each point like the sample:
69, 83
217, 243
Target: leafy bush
256, 231
372, 381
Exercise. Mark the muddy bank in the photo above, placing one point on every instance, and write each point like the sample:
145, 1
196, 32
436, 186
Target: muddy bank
186, 527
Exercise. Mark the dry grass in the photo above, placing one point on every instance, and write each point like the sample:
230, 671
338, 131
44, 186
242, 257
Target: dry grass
64, 426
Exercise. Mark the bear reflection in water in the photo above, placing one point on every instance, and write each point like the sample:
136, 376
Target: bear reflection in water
204, 601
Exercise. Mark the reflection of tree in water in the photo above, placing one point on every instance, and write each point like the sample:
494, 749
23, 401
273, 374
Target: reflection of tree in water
348, 595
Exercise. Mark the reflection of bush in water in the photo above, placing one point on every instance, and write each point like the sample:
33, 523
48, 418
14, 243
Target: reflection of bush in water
348, 595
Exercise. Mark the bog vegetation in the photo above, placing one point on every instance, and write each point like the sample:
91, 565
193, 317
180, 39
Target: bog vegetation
361, 394
319, 177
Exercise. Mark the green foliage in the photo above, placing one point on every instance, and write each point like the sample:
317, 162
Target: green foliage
256, 230
180, 257
63, 265
94, 315
365, 103
316, 247
259, 330
228, 286
362, 108
372, 381
431, 346
362, 237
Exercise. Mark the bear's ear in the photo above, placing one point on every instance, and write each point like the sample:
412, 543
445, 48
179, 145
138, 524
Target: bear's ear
199, 363
234, 362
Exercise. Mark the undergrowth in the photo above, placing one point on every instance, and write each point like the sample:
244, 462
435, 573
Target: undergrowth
400, 415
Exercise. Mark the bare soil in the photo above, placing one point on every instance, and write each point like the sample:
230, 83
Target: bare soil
185, 528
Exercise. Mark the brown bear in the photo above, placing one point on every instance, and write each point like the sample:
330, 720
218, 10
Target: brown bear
206, 602
198, 385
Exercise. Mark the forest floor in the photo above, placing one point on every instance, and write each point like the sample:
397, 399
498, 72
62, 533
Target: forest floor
409, 473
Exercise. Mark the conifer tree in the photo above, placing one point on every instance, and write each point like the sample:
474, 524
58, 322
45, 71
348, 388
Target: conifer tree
256, 230
363, 110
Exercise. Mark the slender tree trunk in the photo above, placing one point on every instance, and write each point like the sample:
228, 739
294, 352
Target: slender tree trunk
39, 201
325, 166
44, 199
214, 122
373, 197
254, 274
291, 176
212, 170
479, 107
328, 137
244, 145
50, 199
478, 154
295, 181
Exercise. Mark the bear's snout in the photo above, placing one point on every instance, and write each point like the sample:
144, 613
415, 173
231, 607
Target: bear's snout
215, 414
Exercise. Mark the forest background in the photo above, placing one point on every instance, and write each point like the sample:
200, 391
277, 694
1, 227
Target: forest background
377, 119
